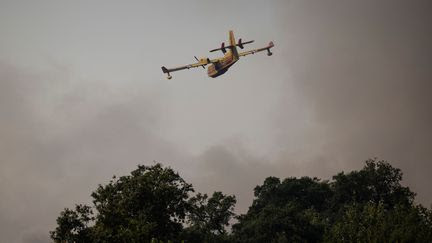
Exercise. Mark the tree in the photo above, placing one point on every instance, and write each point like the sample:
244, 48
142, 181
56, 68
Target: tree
377, 182
287, 211
72, 225
152, 202
373, 222
369, 205
208, 217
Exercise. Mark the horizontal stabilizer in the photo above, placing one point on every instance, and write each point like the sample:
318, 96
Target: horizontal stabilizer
239, 44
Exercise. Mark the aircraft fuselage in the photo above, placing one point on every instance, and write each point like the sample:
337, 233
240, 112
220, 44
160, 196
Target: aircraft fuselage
218, 68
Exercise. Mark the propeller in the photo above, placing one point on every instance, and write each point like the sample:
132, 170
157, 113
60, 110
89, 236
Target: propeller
199, 61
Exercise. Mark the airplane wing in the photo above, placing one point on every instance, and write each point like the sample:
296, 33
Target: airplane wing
267, 48
201, 63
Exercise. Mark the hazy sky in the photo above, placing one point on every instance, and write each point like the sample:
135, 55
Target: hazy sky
82, 97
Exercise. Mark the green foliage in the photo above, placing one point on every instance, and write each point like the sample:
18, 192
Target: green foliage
279, 224
369, 205
373, 222
72, 225
285, 212
304, 192
153, 204
377, 182
208, 217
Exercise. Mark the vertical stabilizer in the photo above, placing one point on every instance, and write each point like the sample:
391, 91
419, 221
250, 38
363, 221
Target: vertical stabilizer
233, 44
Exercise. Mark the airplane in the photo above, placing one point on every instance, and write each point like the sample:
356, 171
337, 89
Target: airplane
220, 65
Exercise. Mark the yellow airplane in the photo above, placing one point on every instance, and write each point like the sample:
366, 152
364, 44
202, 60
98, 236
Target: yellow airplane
219, 66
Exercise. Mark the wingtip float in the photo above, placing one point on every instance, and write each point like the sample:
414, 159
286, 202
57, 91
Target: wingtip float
220, 65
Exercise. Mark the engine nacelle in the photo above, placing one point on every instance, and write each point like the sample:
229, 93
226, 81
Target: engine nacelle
204, 60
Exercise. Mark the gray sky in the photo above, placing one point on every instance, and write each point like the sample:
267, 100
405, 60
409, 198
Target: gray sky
82, 97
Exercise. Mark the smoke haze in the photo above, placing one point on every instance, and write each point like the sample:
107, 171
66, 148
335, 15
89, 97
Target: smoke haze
82, 97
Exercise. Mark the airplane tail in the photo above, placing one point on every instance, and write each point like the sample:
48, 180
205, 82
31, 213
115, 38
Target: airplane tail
233, 44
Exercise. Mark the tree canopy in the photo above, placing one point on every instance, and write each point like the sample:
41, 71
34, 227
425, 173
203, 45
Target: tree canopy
154, 203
